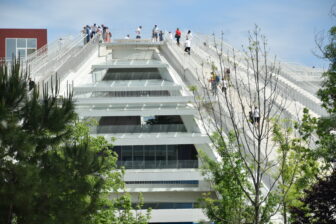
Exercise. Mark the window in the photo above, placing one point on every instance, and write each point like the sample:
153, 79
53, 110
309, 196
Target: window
21, 43
138, 153
10, 48
161, 153
31, 43
20, 46
127, 153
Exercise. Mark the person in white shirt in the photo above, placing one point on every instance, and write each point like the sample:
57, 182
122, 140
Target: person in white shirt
188, 42
155, 33
127, 37
256, 115
170, 36
94, 30
189, 35
187, 46
138, 32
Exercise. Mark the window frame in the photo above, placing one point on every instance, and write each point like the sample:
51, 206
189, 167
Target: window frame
17, 49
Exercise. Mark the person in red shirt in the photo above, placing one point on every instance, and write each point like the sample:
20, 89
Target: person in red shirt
178, 36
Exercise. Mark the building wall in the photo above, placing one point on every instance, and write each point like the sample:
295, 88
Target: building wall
39, 34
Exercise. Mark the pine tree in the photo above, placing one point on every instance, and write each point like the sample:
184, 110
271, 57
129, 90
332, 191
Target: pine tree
51, 169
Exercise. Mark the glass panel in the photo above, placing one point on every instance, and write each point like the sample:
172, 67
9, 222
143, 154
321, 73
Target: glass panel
138, 157
187, 152
172, 156
31, 43
22, 53
126, 153
172, 152
150, 152
149, 156
161, 156
10, 48
29, 51
21, 43
161, 152
138, 153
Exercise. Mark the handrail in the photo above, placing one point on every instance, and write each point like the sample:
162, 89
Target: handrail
141, 93
78, 57
146, 128
293, 91
48, 53
54, 62
59, 56
46, 48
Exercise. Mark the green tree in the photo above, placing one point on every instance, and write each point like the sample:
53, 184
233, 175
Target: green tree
317, 202
253, 89
229, 207
297, 166
326, 126
51, 169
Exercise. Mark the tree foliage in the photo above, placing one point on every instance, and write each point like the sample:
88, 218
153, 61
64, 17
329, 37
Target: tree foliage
328, 91
326, 128
51, 169
248, 152
319, 203
230, 206
298, 167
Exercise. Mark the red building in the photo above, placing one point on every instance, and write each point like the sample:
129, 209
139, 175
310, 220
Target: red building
21, 42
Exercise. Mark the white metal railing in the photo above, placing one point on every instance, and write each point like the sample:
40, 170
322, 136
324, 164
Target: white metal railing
48, 48
146, 128
52, 62
78, 56
144, 93
291, 89
50, 53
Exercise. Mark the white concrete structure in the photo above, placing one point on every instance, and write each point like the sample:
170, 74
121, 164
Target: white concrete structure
140, 100
137, 91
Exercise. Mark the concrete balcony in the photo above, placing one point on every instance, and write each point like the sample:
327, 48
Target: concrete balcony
162, 174
129, 85
133, 100
156, 138
165, 180
137, 110
146, 128
178, 215
120, 63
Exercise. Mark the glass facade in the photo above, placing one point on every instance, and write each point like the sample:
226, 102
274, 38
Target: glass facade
20, 47
132, 74
137, 124
176, 182
156, 156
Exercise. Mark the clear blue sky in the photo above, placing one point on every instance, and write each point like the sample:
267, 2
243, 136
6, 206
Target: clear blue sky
290, 25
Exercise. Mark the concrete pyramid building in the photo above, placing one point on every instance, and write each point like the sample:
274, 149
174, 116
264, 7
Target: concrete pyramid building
138, 92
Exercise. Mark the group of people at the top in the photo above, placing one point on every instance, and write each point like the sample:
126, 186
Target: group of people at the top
103, 31
157, 35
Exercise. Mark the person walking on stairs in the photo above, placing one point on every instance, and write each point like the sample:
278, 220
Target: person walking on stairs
138, 32
178, 36
256, 116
